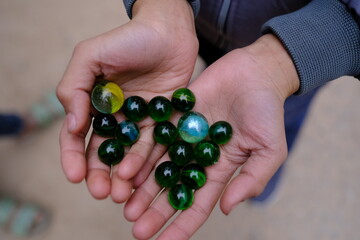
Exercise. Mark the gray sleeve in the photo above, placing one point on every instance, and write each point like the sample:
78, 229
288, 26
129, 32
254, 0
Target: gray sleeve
354, 7
195, 4
323, 40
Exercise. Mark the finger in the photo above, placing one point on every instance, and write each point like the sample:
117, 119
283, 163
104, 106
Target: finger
190, 220
74, 88
98, 174
154, 218
137, 156
120, 189
143, 196
72, 153
252, 179
157, 152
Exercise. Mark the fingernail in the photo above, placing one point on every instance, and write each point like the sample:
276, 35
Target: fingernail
71, 122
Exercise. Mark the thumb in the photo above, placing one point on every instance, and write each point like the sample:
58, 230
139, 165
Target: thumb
75, 87
253, 177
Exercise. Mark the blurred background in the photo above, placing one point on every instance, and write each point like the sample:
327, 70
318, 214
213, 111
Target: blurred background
319, 194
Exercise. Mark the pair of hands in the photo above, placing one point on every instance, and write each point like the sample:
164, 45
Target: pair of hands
154, 54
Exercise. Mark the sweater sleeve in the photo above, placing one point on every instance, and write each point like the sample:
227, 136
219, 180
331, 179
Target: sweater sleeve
323, 40
354, 8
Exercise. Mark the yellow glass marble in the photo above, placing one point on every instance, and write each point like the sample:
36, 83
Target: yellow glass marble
107, 97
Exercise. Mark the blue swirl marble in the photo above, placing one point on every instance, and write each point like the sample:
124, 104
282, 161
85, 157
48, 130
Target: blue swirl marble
193, 127
127, 132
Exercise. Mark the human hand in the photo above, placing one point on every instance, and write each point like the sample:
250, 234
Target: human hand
153, 54
246, 88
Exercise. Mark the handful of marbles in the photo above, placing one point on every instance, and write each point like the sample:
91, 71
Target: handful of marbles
193, 144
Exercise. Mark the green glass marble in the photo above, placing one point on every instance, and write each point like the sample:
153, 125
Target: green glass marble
135, 108
193, 127
220, 132
165, 133
107, 97
104, 125
127, 132
181, 152
167, 174
111, 152
181, 197
183, 100
193, 176
206, 153
160, 108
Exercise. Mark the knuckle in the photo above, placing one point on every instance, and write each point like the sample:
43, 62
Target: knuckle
258, 189
199, 211
80, 47
61, 93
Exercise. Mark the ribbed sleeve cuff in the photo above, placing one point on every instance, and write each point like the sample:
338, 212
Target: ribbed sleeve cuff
323, 39
195, 4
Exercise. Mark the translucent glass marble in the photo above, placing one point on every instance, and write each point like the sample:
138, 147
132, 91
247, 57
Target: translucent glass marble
193, 127
165, 133
107, 97
181, 152
135, 108
127, 132
183, 100
206, 153
193, 176
167, 174
220, 132
111, 152
181, 197
160, 108
104, 125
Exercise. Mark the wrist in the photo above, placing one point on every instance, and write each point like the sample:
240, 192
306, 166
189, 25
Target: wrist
282, 72
168, 17
165, 10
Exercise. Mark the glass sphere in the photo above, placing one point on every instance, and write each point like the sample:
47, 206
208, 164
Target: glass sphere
220, 132
193, 176
135, 108
160, 109
107, 97
193, 127
181, 152
181, 197
167, 174
111, 152
104, 125
127, 132
206, 153
165, 133
183, 100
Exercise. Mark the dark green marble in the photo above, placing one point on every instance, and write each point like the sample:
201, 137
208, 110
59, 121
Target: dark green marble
183, 100
104, 125
167, 174
135, 108
206, 153
220, 132
181, 152
107, 97
181, 197
193, 176
127, 132
165, 133
160, 108
111, 152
